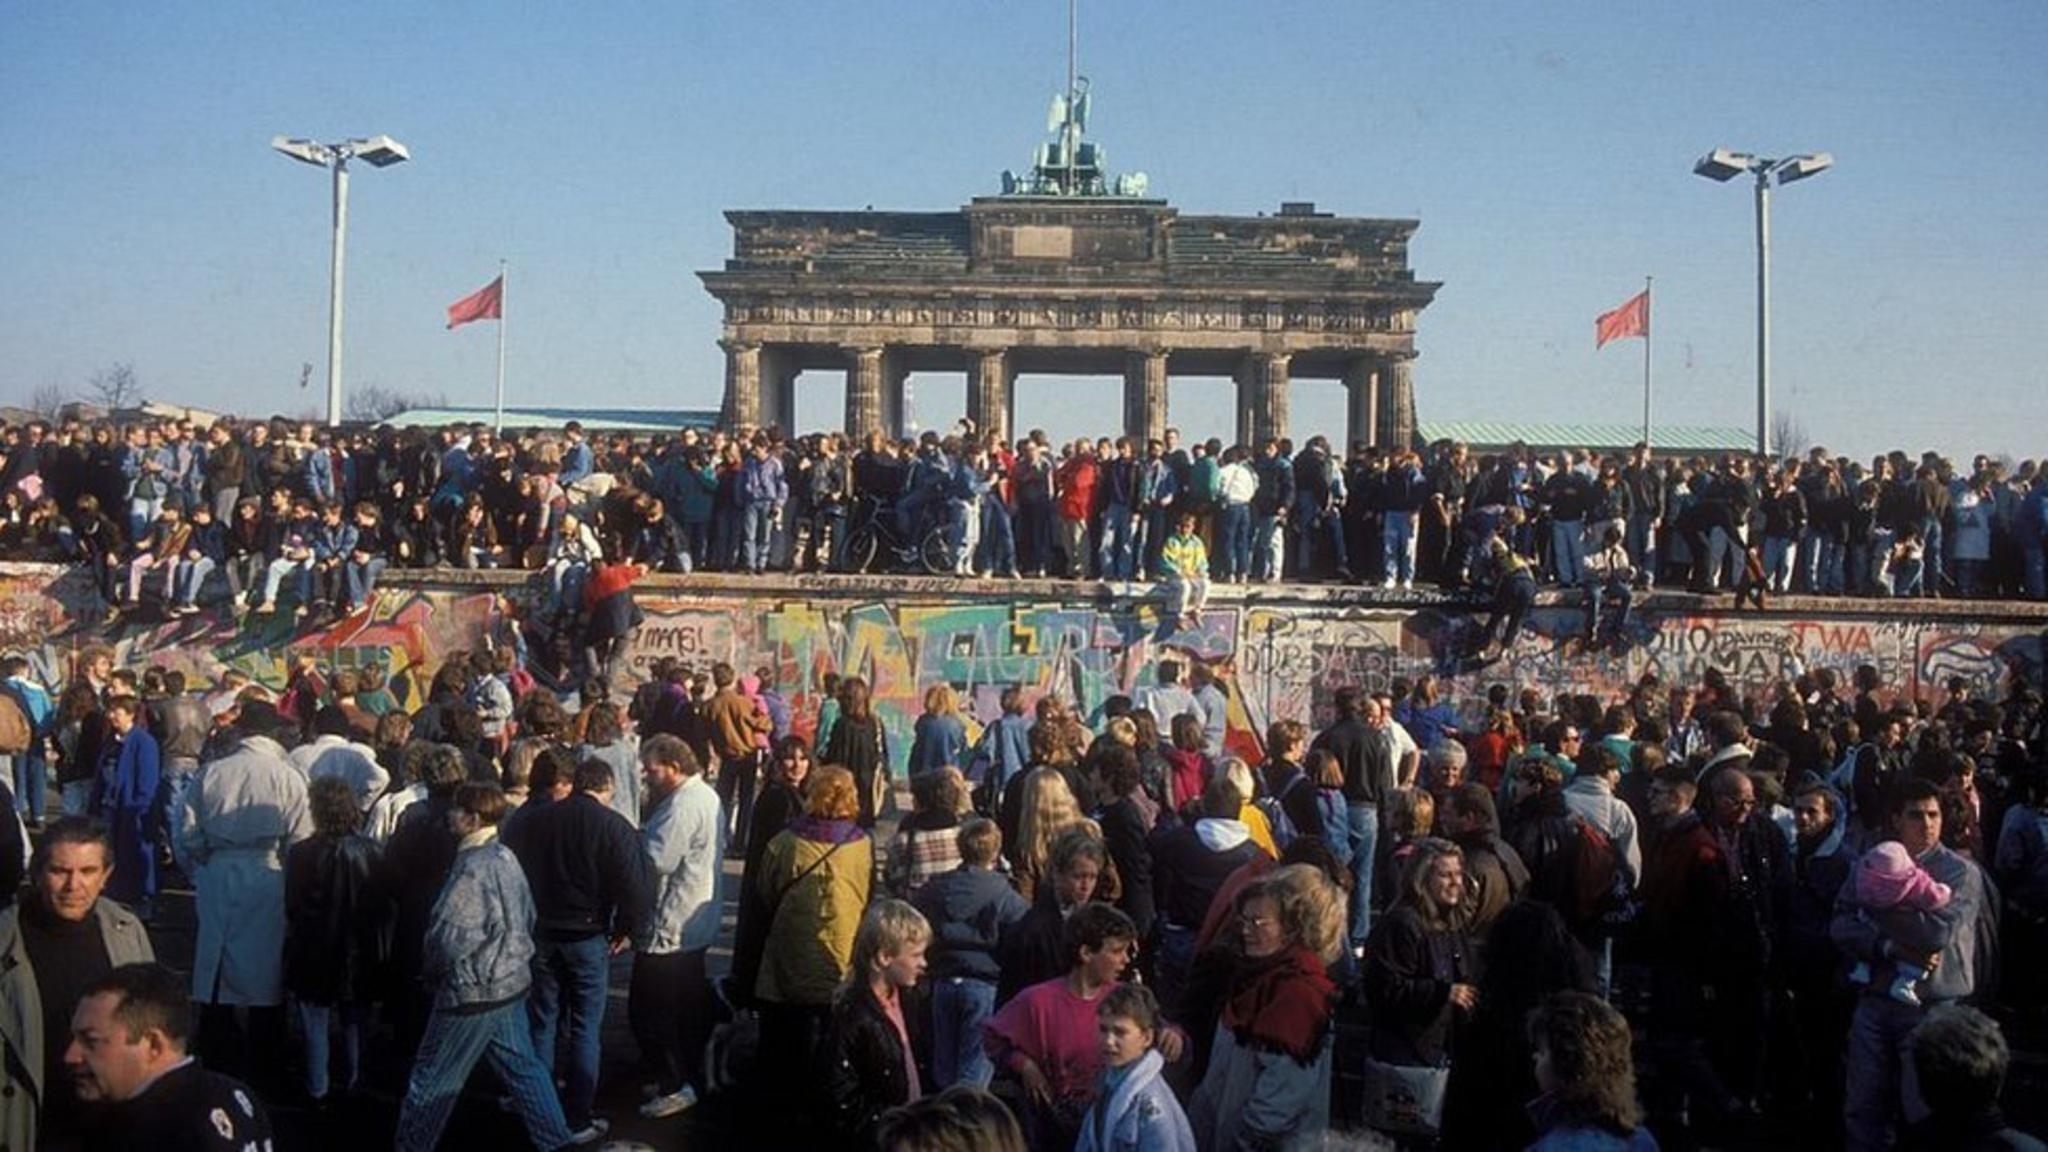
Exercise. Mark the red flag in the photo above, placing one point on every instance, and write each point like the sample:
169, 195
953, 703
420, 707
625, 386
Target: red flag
486, 303
1631, 319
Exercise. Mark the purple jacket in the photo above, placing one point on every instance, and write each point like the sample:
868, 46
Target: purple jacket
762, 482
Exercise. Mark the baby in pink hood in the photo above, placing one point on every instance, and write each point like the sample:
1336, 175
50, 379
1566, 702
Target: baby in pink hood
1889, 889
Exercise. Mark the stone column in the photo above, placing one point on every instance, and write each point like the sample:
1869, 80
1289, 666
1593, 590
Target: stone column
778, 390
864, 393
1397, 401
895, 413
742, 405
989, 393
1262, 387
1362, 402
1145, 396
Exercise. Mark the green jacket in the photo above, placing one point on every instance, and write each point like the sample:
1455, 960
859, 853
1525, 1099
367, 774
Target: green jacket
21, 1015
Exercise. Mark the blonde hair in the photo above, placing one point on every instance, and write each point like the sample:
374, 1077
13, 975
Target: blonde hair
1123, 730
1412, 813
888, 928
1237, 772
939, 700
1049, 809
1309, 905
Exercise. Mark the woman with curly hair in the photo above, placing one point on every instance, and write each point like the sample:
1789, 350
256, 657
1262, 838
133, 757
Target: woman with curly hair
1268, 1079
1580, 1047
814, 879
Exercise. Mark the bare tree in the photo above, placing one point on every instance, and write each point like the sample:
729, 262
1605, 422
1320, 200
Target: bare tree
115, 386
1788, 434
376, 402
49, 400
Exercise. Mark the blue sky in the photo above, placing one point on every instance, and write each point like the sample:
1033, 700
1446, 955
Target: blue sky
1546, 148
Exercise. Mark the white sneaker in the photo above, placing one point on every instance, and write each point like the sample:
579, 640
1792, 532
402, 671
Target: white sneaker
680, 1100
590, 1133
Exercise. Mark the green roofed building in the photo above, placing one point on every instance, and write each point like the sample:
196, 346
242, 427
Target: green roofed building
592, 419
1677, 439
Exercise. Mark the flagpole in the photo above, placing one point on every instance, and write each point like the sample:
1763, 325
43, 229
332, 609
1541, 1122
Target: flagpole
498, 418
1646, 359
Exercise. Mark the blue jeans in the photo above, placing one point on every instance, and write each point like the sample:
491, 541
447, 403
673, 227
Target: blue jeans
960, 1005
1781, 556
361, 579
190, 578
571, 976
1641, 543
449, 1051
1568, 551
315, 1022
1119, 542
1812, 572
273, 579
998, 546
1881, 1086
1364, 825
1263, 531
2034, 562
1931, 536
1313, 525
760, 535
1398, 539
1234, 541
31, 777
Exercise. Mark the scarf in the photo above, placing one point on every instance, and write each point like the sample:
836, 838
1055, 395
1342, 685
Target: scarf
826, 831
1282, 1002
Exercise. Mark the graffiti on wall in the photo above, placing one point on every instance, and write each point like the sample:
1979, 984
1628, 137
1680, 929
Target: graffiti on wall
1276, 661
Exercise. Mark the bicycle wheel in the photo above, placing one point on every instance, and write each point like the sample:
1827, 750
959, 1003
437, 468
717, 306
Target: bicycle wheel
860, 550
936, 553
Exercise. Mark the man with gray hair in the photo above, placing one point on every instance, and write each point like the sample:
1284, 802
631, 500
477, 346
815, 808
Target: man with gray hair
1960, 1058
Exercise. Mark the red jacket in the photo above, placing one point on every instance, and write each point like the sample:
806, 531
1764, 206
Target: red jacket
1075, 491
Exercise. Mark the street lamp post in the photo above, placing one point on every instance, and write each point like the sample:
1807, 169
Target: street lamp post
1723, 164
378, 151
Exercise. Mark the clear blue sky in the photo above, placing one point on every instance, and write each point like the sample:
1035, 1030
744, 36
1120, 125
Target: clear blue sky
1546, 149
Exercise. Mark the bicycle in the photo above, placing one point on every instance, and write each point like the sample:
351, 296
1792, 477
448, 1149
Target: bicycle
877, 538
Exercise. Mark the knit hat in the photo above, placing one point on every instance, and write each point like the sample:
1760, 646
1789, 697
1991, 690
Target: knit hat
1886, 877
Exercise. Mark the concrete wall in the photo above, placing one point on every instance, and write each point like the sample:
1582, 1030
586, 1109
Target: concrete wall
1283, 653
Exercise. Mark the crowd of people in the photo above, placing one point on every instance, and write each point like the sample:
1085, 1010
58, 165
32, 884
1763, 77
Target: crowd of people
269, 515
1818, 905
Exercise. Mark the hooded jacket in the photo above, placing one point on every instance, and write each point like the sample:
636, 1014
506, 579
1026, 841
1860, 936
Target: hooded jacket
968, 909
1191, 862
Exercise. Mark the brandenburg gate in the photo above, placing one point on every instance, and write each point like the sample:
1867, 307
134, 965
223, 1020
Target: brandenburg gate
1062, 275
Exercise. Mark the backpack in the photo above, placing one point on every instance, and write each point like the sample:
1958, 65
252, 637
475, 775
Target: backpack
1284, 830
17, 733
1599, 889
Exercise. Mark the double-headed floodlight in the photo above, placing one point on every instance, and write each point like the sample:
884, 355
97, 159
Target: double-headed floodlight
1723, 165
376, 151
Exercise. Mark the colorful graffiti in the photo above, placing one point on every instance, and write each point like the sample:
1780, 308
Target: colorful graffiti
1279, 659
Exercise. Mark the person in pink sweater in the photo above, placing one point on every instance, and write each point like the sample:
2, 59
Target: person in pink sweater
1045, 1042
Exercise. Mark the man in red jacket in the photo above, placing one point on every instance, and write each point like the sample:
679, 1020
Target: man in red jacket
1074, 490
